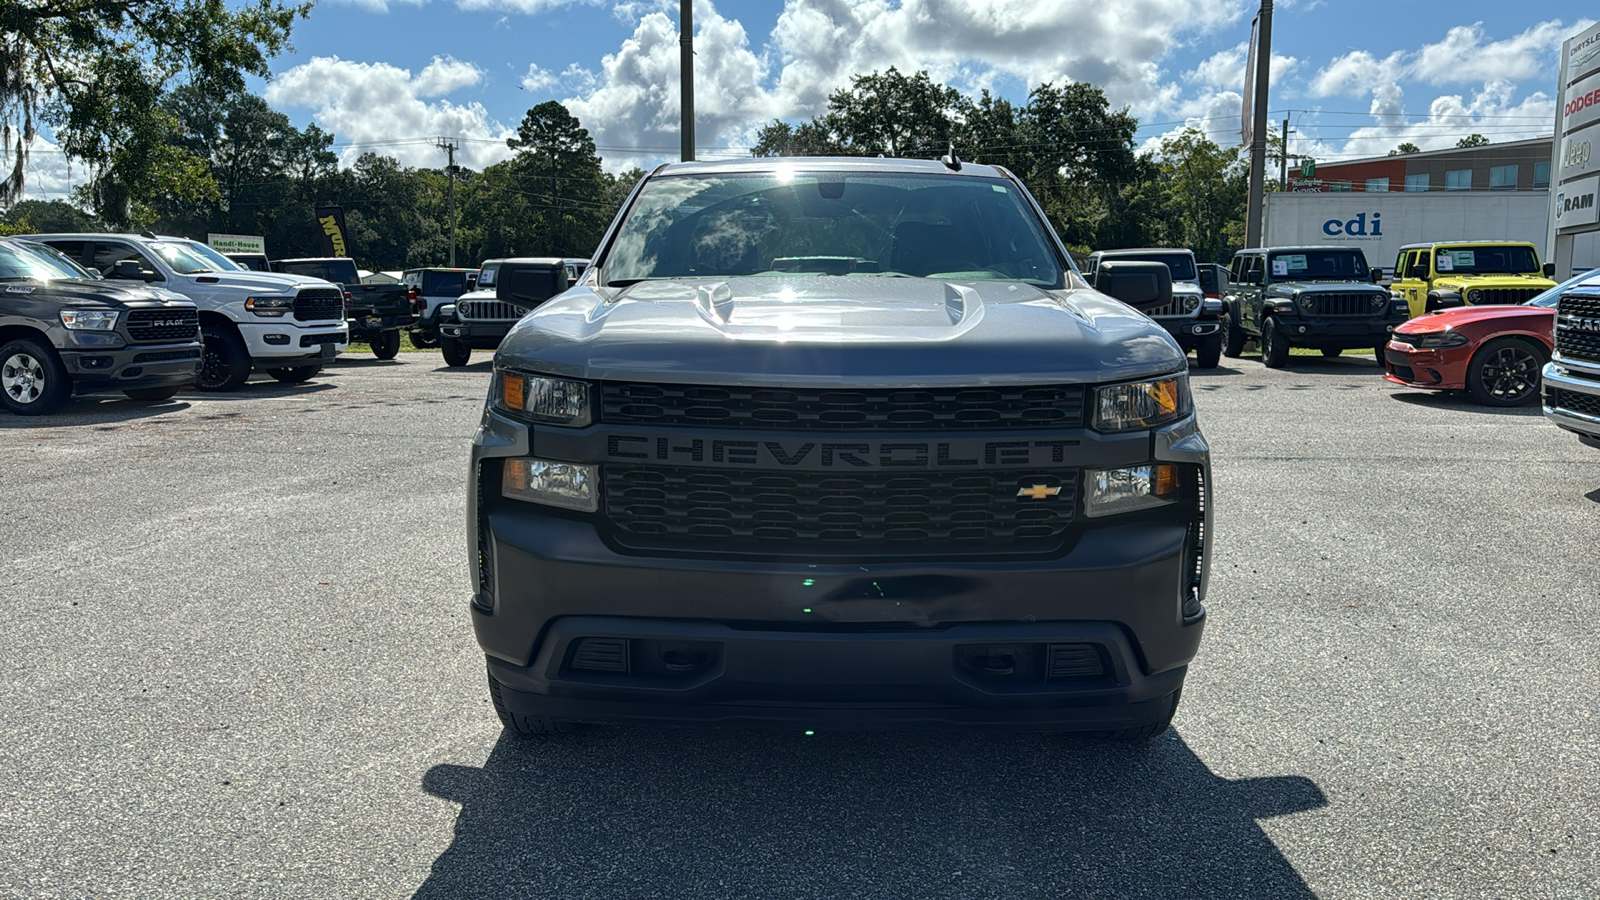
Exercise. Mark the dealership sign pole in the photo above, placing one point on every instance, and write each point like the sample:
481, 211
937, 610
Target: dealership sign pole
1254, 120
1573, 189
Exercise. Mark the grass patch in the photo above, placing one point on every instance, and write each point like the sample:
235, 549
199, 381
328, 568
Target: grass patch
405, 346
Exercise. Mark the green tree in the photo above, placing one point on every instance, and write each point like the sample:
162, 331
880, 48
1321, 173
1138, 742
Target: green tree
94, 73
806, 139
1405, 148
1473, 140
558, 170
41, 216
893, 114
1206, 191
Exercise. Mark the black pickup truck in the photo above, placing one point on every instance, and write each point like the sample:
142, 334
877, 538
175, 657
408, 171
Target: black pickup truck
840, 443
63, 331
377, 313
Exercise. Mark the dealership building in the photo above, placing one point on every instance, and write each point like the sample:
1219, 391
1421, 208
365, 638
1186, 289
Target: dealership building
1489, 192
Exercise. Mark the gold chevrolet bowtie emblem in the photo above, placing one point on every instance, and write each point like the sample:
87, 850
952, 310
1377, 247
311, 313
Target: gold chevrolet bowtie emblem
1038, 492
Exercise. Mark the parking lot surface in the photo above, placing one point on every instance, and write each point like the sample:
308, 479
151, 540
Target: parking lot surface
238, 663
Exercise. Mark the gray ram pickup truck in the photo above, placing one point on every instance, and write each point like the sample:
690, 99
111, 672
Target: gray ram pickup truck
840, 444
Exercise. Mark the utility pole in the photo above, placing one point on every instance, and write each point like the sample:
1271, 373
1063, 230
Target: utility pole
1258, 134
449, 147
1283, 160
686, 75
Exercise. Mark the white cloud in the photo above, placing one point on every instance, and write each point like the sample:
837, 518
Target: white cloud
529, 7
539, 80
49, 173
379, 107
1463, 56
1226, 69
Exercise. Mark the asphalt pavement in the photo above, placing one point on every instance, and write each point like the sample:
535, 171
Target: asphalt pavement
237, 663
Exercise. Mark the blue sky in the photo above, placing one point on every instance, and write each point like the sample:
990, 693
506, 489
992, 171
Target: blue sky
1356, 76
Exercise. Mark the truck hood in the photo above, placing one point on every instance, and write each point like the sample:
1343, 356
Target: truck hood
1479, 282
266, 282
821, 331
1328, 287
96, 293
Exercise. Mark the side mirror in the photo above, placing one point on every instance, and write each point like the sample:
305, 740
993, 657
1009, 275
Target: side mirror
128, 269
93, 272
472, 281
1208, 280
1141, 285
1377, 275
527, 285
1549, 270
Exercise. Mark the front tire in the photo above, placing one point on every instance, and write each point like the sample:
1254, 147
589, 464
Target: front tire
527, 726
424, 340
386, 345
1379, 353
148, 394
32, 380
226, 364
1505, 373
1209, 353
1234, 348
456, 354
1274, 347
295, 375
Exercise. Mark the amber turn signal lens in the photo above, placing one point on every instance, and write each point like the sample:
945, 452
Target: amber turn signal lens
513, 391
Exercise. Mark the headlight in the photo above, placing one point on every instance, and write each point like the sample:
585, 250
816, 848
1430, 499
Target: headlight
1439, 340
567, 485
1306, 303
89, 319
1472, 296
554, 400
1379, 301
269, 306
1144, 404
1113, 491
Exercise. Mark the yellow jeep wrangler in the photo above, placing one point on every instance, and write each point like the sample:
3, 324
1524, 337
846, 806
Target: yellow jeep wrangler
1443, 274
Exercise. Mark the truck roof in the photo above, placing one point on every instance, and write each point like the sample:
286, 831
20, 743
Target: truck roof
828, 163
1297, 247
1145, 250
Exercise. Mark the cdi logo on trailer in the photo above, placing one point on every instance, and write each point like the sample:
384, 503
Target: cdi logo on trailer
1356, 227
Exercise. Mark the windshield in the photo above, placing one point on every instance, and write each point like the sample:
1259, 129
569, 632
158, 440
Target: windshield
28, 261
218, 261
1549, 298
446, 284
1486, 261
338, 271
185, 259
831, 223
1181, 264
1319, 265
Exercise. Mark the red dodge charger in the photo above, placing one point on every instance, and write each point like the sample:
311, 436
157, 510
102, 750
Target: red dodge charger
1493, 353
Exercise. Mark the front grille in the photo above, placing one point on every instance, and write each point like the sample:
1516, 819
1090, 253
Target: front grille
163, 326
1503, 296
1180, 307
488, 311
317, 340
167, 356
808, 514
1573, 342
1587, 404
1404, 373
1345, 305
813, 409
318, 304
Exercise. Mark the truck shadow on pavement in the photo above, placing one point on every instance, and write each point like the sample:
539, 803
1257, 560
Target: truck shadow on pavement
477, 366
95, 410
632, 813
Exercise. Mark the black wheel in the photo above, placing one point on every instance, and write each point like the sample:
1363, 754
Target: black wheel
151, 393
1234, 348
455, 353
1378, 353
424, 340
32, 379
526, 725
1331, 352
1154, 729
1505, 372
296, 374
1274, 348
226, 366
1209, 353
386, 345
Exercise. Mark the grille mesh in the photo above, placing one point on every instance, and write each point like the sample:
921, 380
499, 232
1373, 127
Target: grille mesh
1344, 305
1503, 296
488, 311
1588, 404
806, 409
1180, 307
319, 304
823, 513
167, 356
1572, 342
177, 325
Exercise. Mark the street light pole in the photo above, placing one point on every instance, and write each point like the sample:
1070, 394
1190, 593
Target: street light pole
686, 75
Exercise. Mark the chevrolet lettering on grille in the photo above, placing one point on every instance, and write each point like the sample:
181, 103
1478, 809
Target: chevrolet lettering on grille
748, 454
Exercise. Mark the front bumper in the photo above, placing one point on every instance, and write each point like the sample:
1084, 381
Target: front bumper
1191, 332
477, 335
278, 344
132, 368
1572, 398
840, 645
1322, 333
364, 326
1441, 370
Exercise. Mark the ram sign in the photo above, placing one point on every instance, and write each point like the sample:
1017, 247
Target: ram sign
1574, 209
